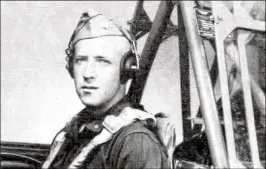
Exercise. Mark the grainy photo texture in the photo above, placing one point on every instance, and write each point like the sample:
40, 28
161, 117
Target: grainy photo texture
132, 84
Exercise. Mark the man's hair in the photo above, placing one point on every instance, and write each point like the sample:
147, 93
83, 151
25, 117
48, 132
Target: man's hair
70, 60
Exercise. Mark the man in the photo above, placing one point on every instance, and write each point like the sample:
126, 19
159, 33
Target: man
111, 131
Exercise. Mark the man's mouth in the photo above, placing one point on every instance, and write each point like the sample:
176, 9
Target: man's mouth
89, 88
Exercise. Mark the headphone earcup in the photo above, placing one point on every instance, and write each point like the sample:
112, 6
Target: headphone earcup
126, 71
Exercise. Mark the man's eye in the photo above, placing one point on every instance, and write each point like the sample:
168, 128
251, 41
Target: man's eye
79, 60
104, 62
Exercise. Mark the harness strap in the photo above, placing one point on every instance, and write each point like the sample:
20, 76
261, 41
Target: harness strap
56, 146
111, 125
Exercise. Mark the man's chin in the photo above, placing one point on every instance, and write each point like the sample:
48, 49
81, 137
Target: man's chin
90, 103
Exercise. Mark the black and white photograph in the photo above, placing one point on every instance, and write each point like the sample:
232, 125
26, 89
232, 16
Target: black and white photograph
133, 84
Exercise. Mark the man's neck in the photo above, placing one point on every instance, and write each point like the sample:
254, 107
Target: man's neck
101, 110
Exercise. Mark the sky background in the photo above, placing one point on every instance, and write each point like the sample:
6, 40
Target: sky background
37, 94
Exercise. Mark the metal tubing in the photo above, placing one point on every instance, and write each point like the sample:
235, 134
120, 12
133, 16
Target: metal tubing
227, 115
150, 49
213, 127
222, 16
183, 54
257, 92
140, 23
250, 24
243, 18
259, 96
241, 41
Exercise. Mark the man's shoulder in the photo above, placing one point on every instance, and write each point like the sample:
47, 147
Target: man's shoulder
138, 145
137, 129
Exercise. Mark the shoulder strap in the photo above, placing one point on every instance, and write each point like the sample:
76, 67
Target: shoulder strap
56, 146
167, 134
111, 125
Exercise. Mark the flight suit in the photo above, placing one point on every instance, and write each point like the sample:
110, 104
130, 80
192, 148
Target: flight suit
134, 146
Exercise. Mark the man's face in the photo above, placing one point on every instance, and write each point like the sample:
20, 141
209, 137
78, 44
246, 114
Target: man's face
96, 69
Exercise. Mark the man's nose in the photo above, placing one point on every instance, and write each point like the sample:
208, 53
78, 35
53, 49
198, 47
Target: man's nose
90, 71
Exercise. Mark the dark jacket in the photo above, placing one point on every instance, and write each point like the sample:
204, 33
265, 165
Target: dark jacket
134, 146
